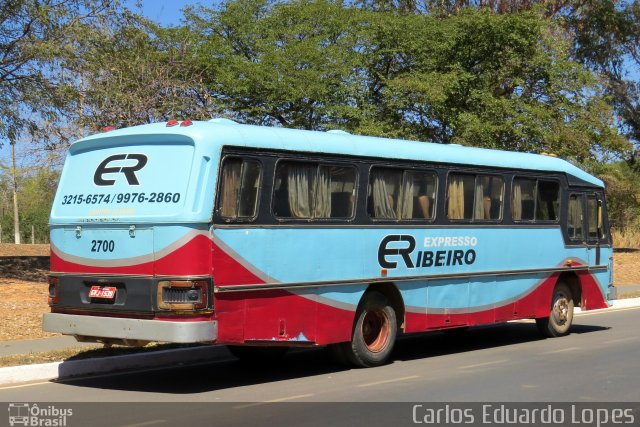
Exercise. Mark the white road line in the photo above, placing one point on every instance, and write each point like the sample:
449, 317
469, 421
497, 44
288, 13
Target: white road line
621, 340
412, 377
562, 350
266, 402
478, 365
25, 385
146, 423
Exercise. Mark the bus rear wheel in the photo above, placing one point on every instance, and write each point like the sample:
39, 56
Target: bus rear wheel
374, 333
561, 314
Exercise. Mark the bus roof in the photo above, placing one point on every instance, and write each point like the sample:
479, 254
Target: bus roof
219, 132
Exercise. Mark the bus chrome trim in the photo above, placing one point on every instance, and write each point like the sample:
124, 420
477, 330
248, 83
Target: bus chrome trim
131, 329
317, 284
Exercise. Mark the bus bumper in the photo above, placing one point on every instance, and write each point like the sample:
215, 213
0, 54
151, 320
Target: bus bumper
612, 293
130, 329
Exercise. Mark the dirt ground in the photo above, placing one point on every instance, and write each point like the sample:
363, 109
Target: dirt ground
22, 305
9, 249
23, 302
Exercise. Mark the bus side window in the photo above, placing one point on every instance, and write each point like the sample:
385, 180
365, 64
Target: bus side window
575, 218
418, 195
239, 189
547, 200
305, 190
460, 193
488, 198
592, 218
384, 193
522, 199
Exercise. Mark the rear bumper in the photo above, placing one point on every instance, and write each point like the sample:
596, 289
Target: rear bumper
131, 329
612, 293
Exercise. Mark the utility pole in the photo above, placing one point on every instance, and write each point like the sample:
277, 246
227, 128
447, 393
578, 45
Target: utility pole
16, 220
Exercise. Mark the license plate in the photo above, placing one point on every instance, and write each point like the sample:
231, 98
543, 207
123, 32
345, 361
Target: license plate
104, 292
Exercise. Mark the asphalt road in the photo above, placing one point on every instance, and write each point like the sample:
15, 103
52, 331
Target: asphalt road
598, 362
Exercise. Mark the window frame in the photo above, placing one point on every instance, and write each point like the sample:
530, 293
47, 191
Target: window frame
476, 175
403, 170
318, 163
535, 220
581, 197
217, 212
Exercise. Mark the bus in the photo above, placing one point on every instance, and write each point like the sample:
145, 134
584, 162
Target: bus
265, 238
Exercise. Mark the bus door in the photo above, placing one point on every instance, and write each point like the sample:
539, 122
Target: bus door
594, 227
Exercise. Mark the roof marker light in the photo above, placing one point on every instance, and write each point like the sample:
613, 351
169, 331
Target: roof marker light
108, 128
186, 123
171, 123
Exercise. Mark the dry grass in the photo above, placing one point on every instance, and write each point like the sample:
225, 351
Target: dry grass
9, 249
79, 353
627, 238
22, 305
626, 268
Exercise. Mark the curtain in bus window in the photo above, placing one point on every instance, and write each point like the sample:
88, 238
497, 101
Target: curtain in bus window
342, 191
522, 201
417, 192
384, 193
323, 194
574, 226
248, 198
592, 212
300, 181
406, 197
455, 209
478, 209
230, 188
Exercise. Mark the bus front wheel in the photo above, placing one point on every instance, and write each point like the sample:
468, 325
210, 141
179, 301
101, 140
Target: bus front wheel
561, 314
374, 333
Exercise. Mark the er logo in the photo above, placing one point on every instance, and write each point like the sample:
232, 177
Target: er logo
128, 170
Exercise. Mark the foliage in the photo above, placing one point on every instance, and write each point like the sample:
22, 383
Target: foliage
35, 196
37, 38
475, 78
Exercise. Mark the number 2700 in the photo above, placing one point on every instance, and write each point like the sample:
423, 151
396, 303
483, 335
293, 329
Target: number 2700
102, 245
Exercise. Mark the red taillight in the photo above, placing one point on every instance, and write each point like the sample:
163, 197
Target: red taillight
54, 290
171, 123
186, 123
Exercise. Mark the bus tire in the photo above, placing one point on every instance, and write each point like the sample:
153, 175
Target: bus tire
374, 332
257, 355
561, 314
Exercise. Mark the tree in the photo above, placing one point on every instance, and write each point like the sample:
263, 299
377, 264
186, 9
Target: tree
474, 77
36, 39
291, 64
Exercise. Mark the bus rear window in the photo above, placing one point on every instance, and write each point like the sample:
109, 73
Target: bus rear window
239, 189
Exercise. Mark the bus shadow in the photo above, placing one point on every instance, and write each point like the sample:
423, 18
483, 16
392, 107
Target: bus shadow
227, 374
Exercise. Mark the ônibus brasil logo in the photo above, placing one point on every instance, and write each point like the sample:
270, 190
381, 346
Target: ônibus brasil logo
31, 414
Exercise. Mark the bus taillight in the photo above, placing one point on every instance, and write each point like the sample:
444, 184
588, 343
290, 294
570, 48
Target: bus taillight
182, 295
54, 288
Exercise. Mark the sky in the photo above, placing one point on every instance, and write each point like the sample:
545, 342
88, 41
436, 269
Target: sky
168, 13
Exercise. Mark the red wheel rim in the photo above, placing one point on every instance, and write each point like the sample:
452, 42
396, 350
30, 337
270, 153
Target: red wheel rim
376, 329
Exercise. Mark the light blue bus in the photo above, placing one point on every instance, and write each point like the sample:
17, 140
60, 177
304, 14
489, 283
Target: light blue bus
267, 238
